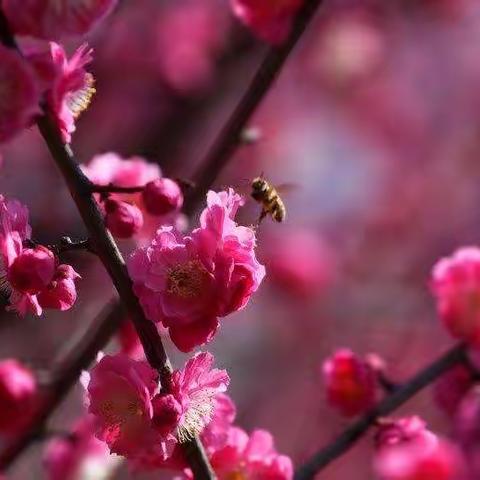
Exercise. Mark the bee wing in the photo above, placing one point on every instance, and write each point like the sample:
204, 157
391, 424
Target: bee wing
286, 188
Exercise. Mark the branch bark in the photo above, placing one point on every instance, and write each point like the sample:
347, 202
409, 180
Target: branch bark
356, 430
229, 138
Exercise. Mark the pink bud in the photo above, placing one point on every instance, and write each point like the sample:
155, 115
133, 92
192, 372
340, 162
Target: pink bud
166, 413
17, 395
61, 293
32, 270
456, 286
350, 383
123, 219
162, 196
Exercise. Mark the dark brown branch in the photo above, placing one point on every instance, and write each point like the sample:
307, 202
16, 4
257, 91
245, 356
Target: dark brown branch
354, 432
108, 252
116, 189
230, 137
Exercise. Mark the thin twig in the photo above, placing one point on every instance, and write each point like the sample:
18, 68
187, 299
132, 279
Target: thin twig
110, 188
230, 137
109, 254
354, 432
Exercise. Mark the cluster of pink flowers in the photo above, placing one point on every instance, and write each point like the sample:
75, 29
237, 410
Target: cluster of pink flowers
188, 282
142, 420
44, 72
271, 20
158, 203
31, 277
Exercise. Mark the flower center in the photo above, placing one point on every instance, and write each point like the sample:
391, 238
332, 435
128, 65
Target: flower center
117, 414
237, 475
187, 279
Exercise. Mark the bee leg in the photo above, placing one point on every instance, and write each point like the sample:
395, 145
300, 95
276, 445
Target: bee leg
263, 214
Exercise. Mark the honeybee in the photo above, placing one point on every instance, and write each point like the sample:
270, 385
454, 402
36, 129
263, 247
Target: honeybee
268, 197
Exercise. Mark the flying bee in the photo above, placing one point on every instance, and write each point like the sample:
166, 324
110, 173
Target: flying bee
268, 197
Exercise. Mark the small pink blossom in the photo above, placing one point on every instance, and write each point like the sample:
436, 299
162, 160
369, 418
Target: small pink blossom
52, 20
123, 219
414, 453
81, 457
350, 383
61, 292
120, 392
19, 94
250, 457
32, 270
196, 388
18, 391
456, 286
271, 20
162, 196
188, 283
110, 168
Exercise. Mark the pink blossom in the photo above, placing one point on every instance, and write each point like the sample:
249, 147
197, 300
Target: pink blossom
162, 196
52, 20
402, 431
271, 20
123, 219
456, 285
424, 457
18, 391
120, 392
250, 458
196, 388
32, 270
110, 168
81, 457
350, 383
19, 94
188, 283
61, 292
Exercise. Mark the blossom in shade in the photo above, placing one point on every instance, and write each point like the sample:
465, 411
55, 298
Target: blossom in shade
187, 283
52, 20
455, 284
406, 450
350, 382
123, 219
61, 292
110, 168
162, 196
120, 392
79, 457
451, 387
18, 391
270, 20
250, 457
19, 94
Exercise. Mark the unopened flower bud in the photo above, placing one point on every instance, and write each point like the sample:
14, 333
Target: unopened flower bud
61, 292
32, 270
166, 413
123, 219
162, 196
